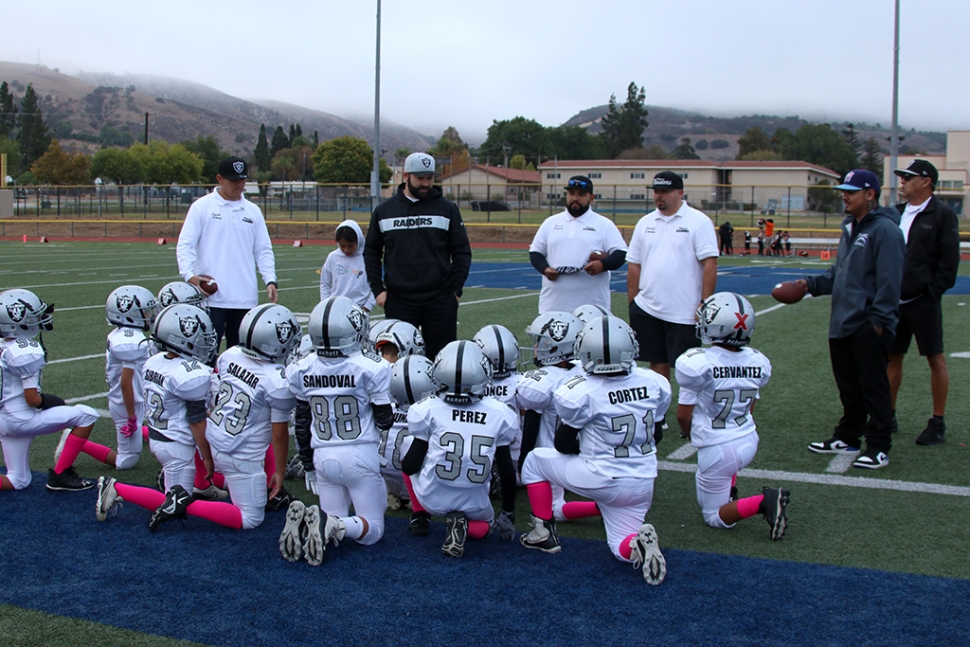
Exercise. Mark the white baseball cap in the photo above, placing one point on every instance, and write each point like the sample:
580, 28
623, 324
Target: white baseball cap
419, 164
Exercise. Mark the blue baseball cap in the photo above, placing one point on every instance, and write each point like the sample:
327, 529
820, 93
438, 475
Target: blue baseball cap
859, 180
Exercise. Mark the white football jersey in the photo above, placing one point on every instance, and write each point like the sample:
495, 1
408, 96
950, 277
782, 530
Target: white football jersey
503, 390
722, 385
394, 442
616, 416
250, 396
462, 440
340, 391
169, 384
127, 348
21, 361
534, 392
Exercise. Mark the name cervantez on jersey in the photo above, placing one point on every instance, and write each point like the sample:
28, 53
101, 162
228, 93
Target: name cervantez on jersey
463, 415
629, 395
242, 374
329, 382
155, 377
726, 372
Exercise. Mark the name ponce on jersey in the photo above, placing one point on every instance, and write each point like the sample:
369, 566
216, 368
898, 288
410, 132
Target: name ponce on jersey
497, 391
154, 377
242, 374
734, 372
461, 415
629, 395
329, 382
400, 417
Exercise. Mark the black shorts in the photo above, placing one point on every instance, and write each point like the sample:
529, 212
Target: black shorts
661, 342
924, 319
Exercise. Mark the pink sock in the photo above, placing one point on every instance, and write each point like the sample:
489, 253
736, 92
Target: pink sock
477, 529
415, 505
540, 498
72, 447
580, 509
148, 498
625, 550
144, 432
96, 451
219, 481
748, 507
270, 464
220, 512
201, 481
734, 481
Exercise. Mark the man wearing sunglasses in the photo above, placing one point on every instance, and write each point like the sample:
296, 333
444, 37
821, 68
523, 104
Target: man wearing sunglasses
575, 251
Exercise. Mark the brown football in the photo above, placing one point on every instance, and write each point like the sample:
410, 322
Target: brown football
597, 256
789, 292
208, 284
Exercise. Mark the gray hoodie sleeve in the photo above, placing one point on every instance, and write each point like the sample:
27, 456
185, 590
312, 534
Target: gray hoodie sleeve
890, 254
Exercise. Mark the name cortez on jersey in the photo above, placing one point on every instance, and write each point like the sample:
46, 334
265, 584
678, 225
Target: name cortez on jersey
242, 374
732, 372
629, 395
329, 382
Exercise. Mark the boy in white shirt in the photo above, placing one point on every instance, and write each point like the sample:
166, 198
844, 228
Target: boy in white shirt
343, 272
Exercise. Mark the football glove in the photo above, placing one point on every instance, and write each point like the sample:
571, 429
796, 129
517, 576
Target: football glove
504, 524
311, 481
129, 427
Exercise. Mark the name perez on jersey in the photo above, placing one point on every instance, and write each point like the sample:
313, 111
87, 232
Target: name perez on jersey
629, 395
734, 372
329, 382
461, 415
242, 374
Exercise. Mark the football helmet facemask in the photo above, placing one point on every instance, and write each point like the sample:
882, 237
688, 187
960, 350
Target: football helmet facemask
185, 330
607, 345
500, 347
132, 306
23, 314
269, 332
554, 337
725, 318
337, 327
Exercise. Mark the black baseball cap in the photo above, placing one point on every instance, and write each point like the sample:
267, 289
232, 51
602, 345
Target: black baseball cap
579, 183
233, 168
920, 168
666, 181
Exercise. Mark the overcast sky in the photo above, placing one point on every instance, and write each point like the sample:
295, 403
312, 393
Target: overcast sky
467, 63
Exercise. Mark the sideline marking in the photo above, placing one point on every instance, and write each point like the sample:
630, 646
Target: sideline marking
85, 398
683, 452
75, 359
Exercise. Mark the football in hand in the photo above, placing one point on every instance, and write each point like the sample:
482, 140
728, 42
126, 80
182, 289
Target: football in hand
208, 284
789, 292
597, 256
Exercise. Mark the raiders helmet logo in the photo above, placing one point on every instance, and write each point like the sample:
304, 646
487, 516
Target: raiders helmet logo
356, 318
284, 331
238, 167
189, 326
417, 340
167, 298
125, 302
16, 312
557, 329
711, 312
486, 365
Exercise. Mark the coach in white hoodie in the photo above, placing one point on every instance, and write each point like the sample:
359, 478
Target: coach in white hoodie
224, 236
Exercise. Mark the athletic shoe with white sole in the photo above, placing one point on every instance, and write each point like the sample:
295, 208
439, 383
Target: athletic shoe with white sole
773, 507
278, 502
831, 446
60, 445
291, 539
211, 493
68, 481
173, 507
420, 523
314, 544
108, 497
294, 468
646, 555
872, 460
456, 524
393, 502
160, 480
542, 536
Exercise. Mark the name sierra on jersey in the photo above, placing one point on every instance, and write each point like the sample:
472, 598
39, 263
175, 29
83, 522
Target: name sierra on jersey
735, 372
461, 415
329, 382
154, 377
242, 374
629, 395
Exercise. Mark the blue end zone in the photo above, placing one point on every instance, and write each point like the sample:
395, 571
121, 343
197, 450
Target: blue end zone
204, 583
746, 280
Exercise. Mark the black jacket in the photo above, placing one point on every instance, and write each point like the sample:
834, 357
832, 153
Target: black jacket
932, 251
417, 251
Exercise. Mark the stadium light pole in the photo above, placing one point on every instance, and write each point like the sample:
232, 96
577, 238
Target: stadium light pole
375, 176
894, 142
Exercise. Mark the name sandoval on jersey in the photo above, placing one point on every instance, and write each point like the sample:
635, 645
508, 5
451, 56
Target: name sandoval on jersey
735, 372
629, 395
242, 374
329, 382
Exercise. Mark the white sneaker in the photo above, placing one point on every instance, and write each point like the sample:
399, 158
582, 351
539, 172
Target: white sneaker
291, 541
393, 502
108, 498
334, 528
211, 493
645, 552
314, 544
60, 445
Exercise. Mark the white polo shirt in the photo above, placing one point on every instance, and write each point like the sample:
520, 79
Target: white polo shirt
567, 242
669, 250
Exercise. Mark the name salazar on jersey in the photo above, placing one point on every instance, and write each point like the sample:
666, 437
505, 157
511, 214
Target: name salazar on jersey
415, 222
242, 375
735, 372
329, 382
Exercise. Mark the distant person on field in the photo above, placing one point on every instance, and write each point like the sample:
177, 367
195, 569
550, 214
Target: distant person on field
343, 272
864, 284
575, 251
726, 232
747, 243
673, 268
932, 236
224, 237
417, 255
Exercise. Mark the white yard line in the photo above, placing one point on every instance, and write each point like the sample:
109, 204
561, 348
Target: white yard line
75, 359
841, 463
85, 398
682, 453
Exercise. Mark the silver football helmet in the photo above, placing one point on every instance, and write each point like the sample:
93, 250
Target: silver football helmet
182, 292
303, 349
500, 347
607, 345
377, 328
185, 330
23, 314
725, 318
463, 371
554, 337
337, 327
406, 337
132, 306
588, 311
412, 380
269, 332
